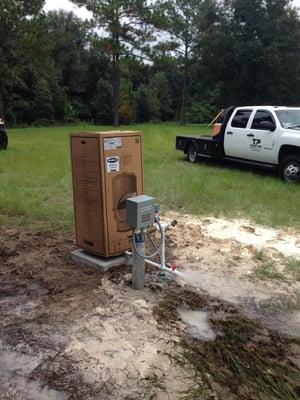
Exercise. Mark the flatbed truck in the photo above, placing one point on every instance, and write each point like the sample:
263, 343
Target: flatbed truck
268, 136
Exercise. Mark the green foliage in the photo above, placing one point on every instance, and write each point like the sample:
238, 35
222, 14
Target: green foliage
124, 22
201, 112
159, 84
182, 22
147, 104
211, 54
44, 101
126, 29
252, 52
17, 20
69, 39
101, 102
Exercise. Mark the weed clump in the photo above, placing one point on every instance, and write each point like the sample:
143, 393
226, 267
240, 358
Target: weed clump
285, 269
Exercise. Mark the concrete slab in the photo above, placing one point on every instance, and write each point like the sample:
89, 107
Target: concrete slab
102, 264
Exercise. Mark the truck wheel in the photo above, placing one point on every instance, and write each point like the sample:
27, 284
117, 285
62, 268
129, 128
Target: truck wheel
289, 169
192, 153
3, 140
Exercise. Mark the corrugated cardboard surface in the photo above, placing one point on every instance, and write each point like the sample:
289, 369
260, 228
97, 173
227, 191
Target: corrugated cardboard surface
107, 167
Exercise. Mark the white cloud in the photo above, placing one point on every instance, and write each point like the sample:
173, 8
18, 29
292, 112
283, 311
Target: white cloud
82, 12
67, 5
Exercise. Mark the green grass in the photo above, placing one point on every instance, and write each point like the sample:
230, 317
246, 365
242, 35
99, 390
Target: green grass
293, 268
268, 271
285, 269
35, 180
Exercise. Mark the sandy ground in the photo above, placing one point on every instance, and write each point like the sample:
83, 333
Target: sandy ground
72, 333
222, 261
69, 332
286, 242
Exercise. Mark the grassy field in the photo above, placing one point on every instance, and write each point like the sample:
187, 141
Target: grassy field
35, 180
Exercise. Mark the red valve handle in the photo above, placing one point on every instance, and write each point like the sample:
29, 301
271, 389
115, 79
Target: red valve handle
173, 266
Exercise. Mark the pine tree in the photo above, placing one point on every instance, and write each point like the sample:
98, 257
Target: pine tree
181, 19
124, 28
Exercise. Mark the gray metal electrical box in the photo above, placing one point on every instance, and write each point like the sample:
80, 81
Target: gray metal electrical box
140, 212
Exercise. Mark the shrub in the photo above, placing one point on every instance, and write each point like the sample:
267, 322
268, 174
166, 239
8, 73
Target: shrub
201, 112
126, 113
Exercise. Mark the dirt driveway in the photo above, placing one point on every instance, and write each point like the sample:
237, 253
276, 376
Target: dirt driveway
69, 332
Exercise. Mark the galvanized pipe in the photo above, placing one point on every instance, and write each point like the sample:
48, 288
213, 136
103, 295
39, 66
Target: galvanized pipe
138, 265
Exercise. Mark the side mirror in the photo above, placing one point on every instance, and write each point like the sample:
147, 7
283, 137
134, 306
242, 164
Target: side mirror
267, 126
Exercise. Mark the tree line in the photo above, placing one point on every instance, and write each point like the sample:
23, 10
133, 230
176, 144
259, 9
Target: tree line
142, 60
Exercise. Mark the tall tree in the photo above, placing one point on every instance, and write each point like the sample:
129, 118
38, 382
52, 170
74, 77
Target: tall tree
71, 51
15, 16
124, 29
181, 21
260, 41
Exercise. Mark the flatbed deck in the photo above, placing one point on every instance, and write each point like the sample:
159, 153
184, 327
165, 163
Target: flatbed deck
205, 146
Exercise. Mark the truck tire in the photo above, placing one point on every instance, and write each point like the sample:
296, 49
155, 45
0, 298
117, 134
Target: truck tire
3, 139
192, 154
289, 169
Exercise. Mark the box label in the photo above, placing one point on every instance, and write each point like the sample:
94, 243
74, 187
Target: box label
112, 143
113, 164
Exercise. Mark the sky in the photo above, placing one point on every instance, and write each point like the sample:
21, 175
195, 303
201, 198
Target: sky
82, 12
67, 5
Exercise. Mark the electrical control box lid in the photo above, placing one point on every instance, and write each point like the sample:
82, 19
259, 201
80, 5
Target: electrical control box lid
140, 211
140, 199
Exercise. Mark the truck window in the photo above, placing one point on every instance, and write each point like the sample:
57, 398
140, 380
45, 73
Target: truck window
241, 119
261, 116
289, 119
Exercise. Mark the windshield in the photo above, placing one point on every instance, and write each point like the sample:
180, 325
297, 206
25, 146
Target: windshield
289, 119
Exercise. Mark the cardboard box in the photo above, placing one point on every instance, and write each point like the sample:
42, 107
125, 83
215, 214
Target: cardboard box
107, 168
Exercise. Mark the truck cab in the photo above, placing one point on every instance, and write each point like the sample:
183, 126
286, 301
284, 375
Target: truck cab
258, 133
266, 135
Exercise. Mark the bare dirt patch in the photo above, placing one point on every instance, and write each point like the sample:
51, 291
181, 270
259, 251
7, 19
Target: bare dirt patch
226, 269
244, 232
69, 332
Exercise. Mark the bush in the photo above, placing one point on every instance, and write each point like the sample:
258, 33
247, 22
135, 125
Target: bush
201, 112
126, 113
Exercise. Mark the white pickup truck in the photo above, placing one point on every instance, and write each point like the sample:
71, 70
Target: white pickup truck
261, 135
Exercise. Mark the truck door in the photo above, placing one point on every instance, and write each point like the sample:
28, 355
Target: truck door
261, 137
235, 138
